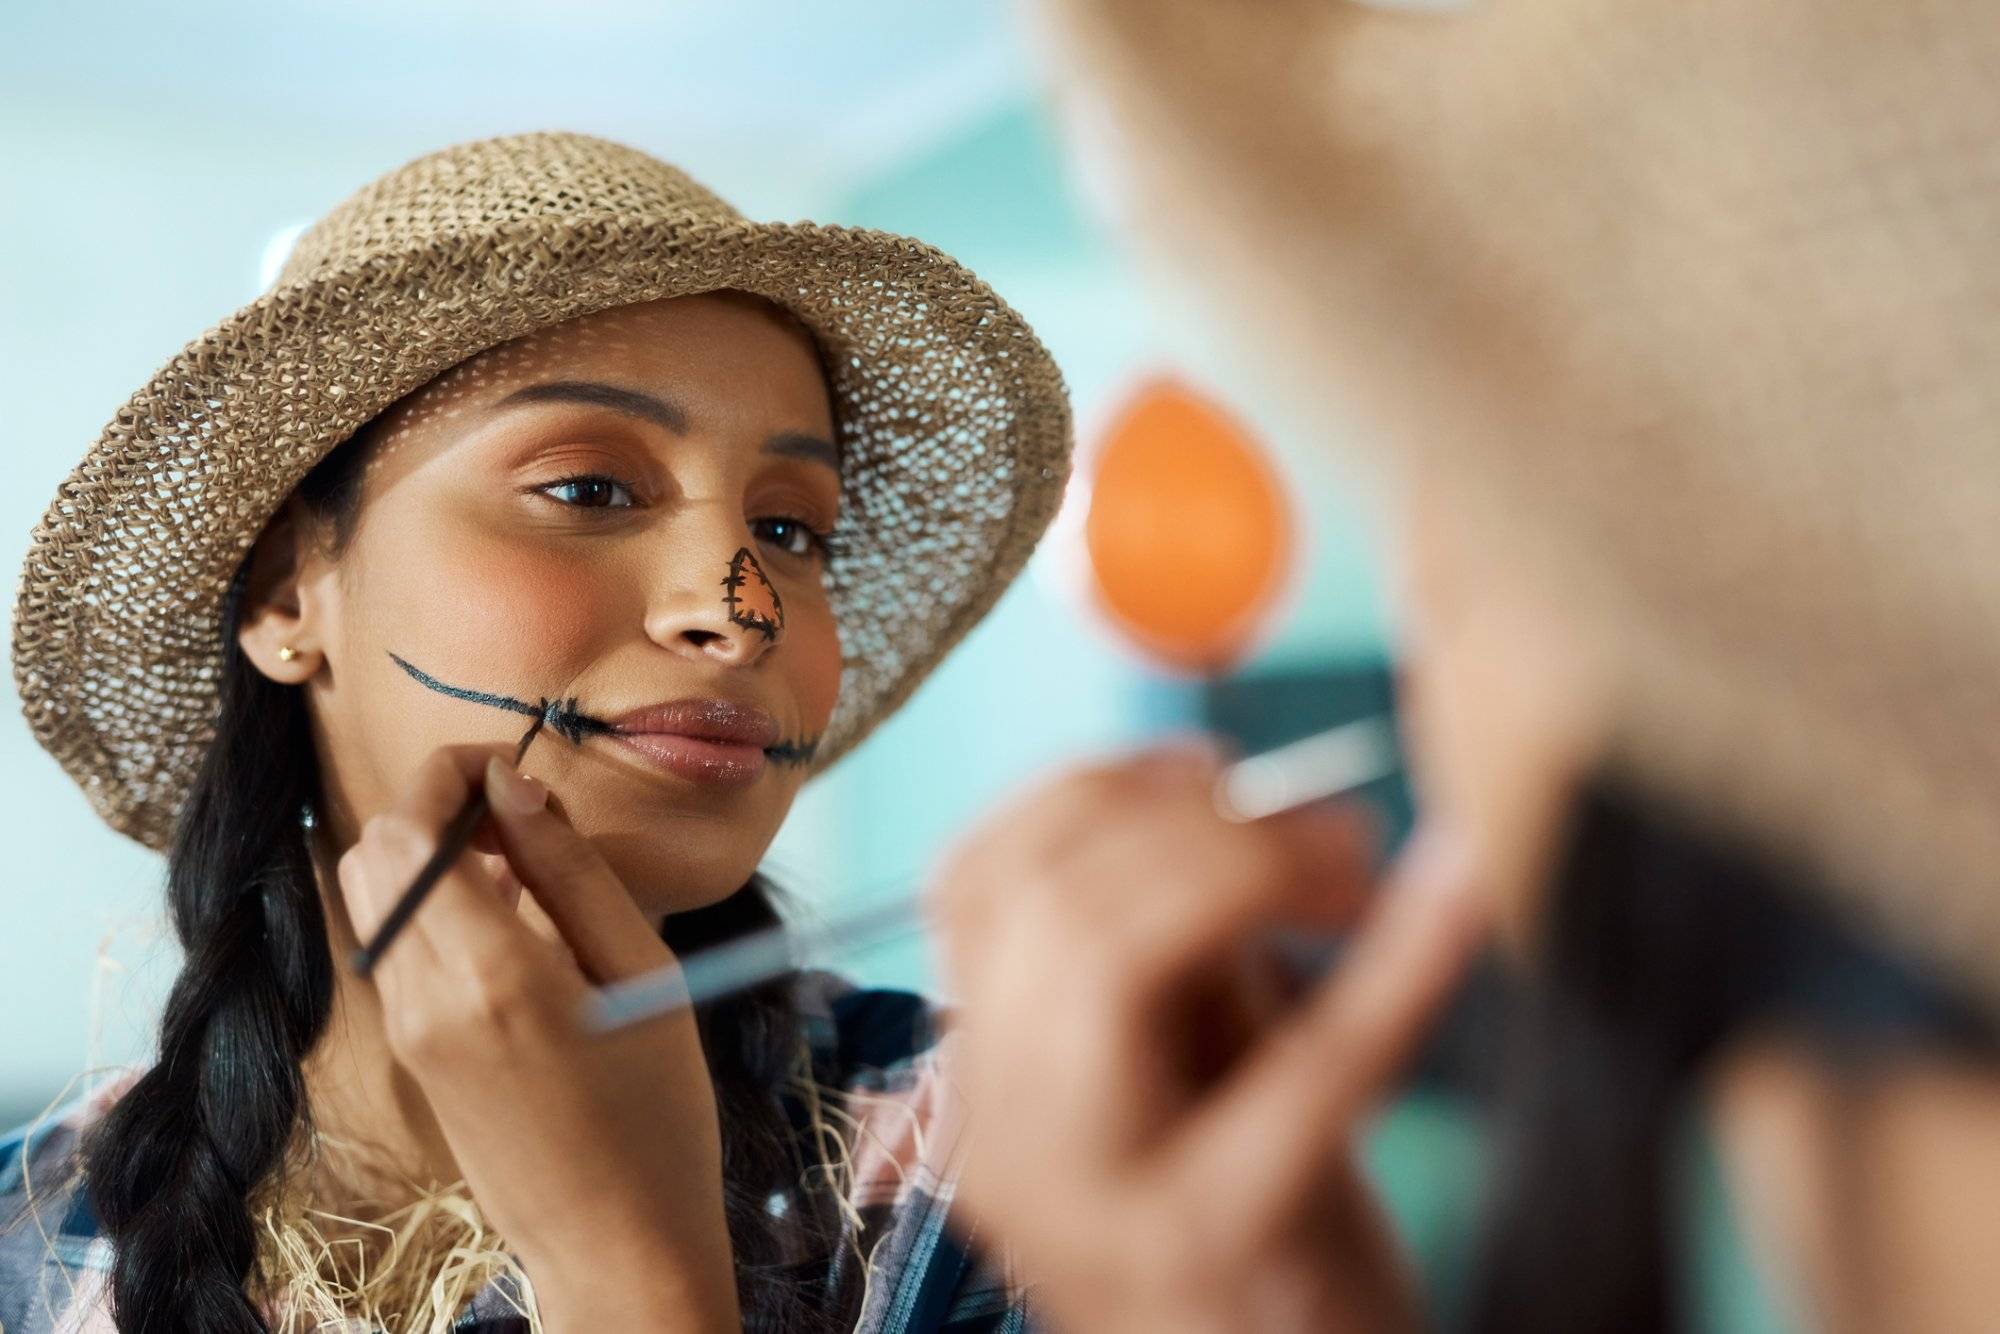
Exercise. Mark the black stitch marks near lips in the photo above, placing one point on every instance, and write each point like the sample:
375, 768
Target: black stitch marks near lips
745, 588
567, 720
793, 752
562, 715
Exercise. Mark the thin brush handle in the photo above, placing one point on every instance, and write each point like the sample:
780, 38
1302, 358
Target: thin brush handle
457, 835
1321, 766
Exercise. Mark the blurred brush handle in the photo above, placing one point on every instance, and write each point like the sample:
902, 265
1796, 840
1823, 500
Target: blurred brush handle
1320, 766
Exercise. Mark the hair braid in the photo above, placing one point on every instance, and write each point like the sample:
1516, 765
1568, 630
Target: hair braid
171, 1166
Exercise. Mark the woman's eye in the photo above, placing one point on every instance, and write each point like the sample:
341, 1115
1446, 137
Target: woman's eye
790, 536
591, 491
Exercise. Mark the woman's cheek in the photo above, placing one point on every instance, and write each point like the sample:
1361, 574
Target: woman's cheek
814, 638
536, 613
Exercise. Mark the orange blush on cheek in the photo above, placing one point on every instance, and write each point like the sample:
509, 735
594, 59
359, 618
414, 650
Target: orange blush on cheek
541, 614
812, 645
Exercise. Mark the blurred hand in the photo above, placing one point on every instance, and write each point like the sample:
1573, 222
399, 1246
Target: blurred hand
572, 1143
1165, 1137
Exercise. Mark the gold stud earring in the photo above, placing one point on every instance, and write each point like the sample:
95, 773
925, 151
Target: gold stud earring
286, 653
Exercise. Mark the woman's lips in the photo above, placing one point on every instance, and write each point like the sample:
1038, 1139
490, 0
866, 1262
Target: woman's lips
726, 763
704, 740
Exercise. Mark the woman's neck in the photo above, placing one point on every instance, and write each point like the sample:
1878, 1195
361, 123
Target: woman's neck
359, 1093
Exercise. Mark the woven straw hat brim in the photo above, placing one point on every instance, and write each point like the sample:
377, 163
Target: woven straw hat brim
954, 423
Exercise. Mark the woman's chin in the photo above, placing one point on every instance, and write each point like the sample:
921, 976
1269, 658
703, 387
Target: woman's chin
699, 877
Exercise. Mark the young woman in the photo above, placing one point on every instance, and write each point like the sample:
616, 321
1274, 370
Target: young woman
1680, 316
533, 428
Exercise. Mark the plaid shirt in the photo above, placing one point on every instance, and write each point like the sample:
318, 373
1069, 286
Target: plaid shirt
887, 1050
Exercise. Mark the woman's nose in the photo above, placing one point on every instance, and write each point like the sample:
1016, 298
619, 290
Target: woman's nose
726, 610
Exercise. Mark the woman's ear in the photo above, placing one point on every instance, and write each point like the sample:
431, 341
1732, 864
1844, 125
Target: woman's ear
278, 622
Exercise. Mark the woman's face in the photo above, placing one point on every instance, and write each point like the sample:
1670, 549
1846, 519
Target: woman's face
623, 508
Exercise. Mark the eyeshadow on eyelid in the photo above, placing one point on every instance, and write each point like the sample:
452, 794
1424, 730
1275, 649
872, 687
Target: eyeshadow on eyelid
566, 455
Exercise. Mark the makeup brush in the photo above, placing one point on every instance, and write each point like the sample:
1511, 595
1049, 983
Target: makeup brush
1320, 766
456, 836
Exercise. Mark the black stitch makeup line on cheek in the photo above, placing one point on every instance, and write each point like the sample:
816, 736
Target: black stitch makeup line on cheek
793, 752
573, 724
562, 715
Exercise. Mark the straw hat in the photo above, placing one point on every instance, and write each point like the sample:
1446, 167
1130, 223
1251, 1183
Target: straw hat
1698, 302
953, 421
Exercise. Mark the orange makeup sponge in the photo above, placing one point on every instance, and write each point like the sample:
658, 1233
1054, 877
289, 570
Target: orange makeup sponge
1188, 531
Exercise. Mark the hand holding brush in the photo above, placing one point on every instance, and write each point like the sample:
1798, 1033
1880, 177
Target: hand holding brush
452, 844
559, 1136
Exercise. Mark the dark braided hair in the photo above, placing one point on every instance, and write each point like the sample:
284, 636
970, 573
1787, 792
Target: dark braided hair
171, 1164
170, 1167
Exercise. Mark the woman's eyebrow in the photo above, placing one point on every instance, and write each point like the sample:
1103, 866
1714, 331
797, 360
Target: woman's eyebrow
661, 412
631, 402
799, 445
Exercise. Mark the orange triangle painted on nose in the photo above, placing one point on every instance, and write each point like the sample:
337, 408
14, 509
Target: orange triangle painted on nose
752, 601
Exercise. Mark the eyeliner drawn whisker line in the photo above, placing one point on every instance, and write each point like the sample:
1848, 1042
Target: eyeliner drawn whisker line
572, 723
459, 692
569, 721
793, 752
